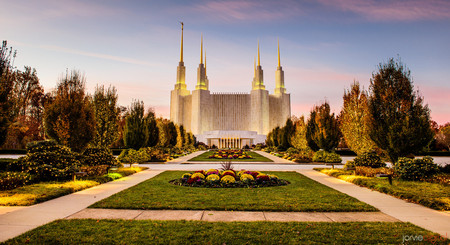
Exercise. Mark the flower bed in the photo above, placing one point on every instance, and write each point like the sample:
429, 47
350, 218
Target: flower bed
214, 178
230, 154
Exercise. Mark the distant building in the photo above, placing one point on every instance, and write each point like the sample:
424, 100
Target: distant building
229, 120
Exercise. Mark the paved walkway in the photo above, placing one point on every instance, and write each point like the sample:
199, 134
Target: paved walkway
426, 218
230, 216
17, 220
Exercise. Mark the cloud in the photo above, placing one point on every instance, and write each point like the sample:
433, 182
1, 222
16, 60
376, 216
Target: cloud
246, 10
98, 55
402, 10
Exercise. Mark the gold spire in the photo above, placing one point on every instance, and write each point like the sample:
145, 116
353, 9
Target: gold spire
259, 63
254, 66
201, 51
279, 63
205, 62
181, 51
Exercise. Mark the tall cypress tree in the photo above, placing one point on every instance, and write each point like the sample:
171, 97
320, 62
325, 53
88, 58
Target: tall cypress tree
322, 129
401, 123
135, 131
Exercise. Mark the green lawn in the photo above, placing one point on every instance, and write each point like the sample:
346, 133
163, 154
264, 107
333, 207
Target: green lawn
205, 158
303, 194
435, 196
40, 192
91, 231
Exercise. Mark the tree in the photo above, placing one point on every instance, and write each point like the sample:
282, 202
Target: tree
135, 131
298, 137
355, 120
322, 129
6, 85
172, 132
443, 137
152, 128
69, 119
401, 124
287, 132
106, 116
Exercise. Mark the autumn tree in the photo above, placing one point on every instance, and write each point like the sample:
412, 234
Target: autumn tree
322, 129
355, 120
298, 138
69, 119
401, 123
106, 116
287, 131
443, 136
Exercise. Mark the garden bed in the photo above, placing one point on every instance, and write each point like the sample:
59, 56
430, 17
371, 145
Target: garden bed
432, 195
90, 231
302, 194
40, 192
205, 157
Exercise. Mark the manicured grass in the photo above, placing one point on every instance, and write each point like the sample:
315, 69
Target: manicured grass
40, 192
435, 196
205, 158
91, 231
303, 194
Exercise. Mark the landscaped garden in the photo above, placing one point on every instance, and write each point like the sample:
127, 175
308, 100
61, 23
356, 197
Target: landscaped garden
236, 156
302, 194
90, 231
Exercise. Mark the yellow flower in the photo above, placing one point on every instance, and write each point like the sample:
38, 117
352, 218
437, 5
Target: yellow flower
200, 175
228, 179
213, 177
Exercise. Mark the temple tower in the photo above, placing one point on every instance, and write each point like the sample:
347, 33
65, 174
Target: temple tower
177, 112
259, 101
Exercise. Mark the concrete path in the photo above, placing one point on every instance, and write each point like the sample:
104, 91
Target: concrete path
185, 158
275, 159
22, 219
230, 216
433, 220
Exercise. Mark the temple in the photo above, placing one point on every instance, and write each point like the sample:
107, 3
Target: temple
229, 120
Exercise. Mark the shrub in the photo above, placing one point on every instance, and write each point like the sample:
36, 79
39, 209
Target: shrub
303, 156
12, 180
415, 169
319, 156
372, 172
332, 157
98, 156
47, 161
97, 170
349, 164
292, 151
369, 159
4, 162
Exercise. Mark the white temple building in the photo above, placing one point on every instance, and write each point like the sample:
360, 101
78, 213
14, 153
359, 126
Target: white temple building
229, 120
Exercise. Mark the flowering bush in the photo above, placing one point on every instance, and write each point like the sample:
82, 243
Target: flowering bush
228, 179
198, 175
213, 177
230, 154
11, 180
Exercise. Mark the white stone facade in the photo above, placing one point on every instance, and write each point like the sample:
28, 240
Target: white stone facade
229, 120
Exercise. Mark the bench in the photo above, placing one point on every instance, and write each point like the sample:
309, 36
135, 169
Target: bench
333, 163
389, 176
80, 174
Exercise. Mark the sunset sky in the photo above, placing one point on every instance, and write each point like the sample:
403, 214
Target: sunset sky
325, 45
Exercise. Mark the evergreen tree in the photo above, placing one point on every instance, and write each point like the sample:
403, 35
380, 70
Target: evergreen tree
355, 120
287, 131
106, 116
401, 124
70, 118
322, 129
152, 128
163, 136
172, 132
6, 86
135, 130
